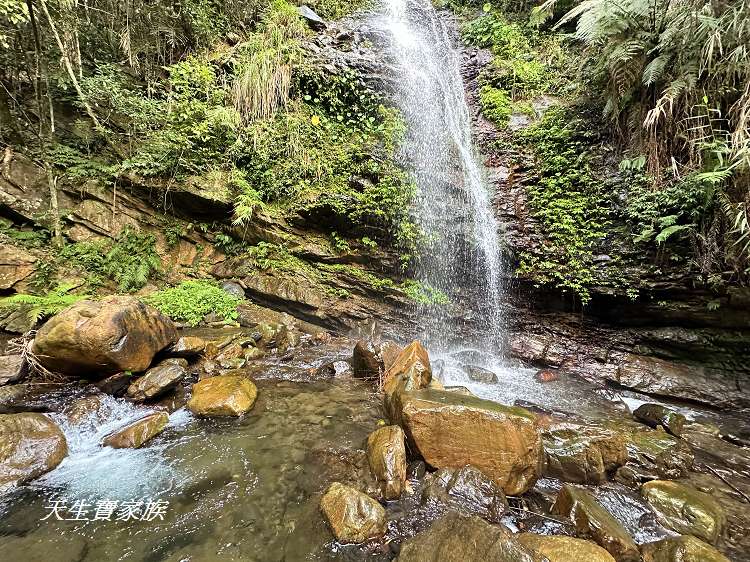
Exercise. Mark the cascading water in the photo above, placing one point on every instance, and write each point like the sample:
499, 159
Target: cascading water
462, 257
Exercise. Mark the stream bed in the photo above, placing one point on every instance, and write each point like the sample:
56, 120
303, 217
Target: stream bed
248, 489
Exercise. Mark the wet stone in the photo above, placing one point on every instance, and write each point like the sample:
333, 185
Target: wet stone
386, 455
656, 415
684, 548
564, 549
352, 516
684, 509
464, 538
30, 445
137, 433
595, 522
466, 490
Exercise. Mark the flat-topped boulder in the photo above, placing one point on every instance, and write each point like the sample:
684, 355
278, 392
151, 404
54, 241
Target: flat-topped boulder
684, 509
593, 521
451, 430
464, 538
136, 434
30, 445
352, 516
99, 338
224, 395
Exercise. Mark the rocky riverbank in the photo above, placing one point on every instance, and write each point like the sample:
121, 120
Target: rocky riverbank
430, 473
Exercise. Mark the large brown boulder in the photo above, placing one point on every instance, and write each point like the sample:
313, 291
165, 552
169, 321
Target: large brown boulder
595, 522
137, 433
684, 548
386, 455
564, 549
225, 395
30, 445
684, 509
352, 516
98, 338
452, 430
464, 538
157, 380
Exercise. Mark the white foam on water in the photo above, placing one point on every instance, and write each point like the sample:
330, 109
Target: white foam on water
92, 471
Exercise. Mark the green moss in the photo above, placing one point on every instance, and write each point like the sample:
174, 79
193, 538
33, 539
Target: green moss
568, 200
496, 105
424, 294
191, 301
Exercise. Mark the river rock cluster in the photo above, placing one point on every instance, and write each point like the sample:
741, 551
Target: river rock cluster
448, 476
483, 460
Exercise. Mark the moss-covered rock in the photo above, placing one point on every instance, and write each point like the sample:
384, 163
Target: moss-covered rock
685, 509
656, 415
684, 548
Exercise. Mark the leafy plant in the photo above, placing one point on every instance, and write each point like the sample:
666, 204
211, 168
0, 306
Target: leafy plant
191, 301
44, 306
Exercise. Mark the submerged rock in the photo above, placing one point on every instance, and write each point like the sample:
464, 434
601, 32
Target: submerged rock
97, 338
464, 538
467, 490
592, 520
479, 374
137, 433
386, 455
656, 415
157, 381
224, 395
684, 509
352, 516
30, 445
451, 430
582, 454
684, 548
83, 408
564, 549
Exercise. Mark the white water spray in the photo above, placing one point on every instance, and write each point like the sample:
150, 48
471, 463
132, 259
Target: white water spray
462, 257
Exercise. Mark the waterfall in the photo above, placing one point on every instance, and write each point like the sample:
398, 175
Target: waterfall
461, 256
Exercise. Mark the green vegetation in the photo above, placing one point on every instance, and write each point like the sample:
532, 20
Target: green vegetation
495, 105
191, 301
39, 307
568, 200
673, 82
128, 262
424, 294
